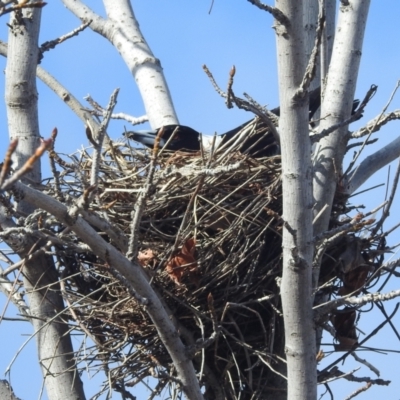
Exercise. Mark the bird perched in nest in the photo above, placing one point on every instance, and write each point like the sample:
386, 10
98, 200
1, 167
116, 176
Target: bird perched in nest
261, 143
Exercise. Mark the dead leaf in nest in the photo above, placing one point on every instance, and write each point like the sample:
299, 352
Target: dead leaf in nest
354, 280
344, 324
183, 262
146, 257
179, 158
345, 344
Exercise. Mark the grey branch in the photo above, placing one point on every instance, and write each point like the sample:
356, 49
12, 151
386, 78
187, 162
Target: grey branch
322, 310
275, 12
372, 164
313, 61
51, 44
376, 124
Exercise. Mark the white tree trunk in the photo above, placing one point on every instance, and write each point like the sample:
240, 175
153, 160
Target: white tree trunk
53, 342
311, 10
122, 30
328, 37
297, 205
6, 392
337, 105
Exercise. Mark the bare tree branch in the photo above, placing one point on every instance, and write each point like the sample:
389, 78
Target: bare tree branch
371, 165
376, 124
136, 277
275, 12
357, 302
122, 30
51, 44
313, 61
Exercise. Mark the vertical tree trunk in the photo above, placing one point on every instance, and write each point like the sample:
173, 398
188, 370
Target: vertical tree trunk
53, 341
296, 285
337, 104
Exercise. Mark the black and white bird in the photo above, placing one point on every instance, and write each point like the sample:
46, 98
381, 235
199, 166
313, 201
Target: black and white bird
261, 143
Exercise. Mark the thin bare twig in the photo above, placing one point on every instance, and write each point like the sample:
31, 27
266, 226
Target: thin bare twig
28, 166
386, 210
18, 7
362, 105
275, 12
98, 136
51, 44
5, 169
138, 208
311, 68
354, 117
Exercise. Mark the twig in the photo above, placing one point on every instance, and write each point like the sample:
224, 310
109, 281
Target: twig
361, 389
355, 223
376, 124
213, 82
138, 208
275, 12
28, 166
99, 137
358, 113
249, 105
329, 238
356, 144
229, 89
357, 302
386, 210
371, 93
141, 300
5, 169
52, 156
99, 111
377, 329
17, 7
51, 44
309, 73
383, 311
366, 363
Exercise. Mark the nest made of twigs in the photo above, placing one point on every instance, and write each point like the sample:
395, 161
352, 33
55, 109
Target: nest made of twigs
210, 242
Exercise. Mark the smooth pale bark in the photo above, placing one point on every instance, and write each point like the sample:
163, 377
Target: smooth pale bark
122, 30
297, 206
337, 105
372, 164
310, 12
328, 38
53, 342
6, 392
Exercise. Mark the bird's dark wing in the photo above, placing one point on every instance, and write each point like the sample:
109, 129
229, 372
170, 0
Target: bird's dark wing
260, 143
185, 138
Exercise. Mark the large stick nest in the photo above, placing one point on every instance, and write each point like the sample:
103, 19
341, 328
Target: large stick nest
210, 242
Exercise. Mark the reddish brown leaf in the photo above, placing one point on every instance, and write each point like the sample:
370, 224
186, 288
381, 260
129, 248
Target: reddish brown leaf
344, 324
354, 280
183, 262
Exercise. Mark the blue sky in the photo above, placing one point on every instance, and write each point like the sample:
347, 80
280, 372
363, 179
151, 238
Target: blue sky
184, 36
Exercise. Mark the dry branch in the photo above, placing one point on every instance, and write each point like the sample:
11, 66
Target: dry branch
225, 304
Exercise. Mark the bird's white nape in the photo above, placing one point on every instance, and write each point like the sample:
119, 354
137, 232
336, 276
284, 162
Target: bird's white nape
207, 142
